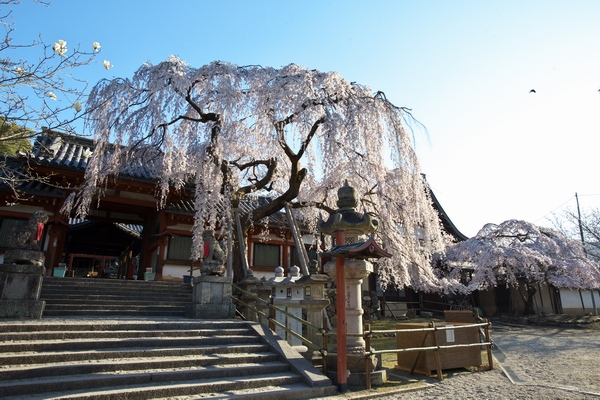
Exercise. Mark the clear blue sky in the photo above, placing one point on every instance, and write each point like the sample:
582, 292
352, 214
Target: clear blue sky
492, 151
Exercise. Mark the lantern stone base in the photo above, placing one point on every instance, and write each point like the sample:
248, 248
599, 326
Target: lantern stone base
211, 298
20, 286
359, 379
355, 361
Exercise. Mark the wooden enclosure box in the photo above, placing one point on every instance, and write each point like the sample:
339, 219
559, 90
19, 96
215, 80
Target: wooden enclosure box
460, 357
459, 316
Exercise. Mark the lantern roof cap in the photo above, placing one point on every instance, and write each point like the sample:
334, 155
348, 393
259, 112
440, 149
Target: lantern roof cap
361, 250
347, 218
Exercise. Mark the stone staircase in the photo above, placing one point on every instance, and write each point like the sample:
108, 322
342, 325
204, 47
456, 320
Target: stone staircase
151, 358
94, 296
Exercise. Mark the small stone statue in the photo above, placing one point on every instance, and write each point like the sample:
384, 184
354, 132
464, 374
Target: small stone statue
27, 235
215, 255
371, 305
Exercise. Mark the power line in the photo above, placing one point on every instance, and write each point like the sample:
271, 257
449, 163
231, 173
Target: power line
550, 212
588, 195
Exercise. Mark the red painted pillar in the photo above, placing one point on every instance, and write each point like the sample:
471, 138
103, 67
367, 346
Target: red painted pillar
340, 307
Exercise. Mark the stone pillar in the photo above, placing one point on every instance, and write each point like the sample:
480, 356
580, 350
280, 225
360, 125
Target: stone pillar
280, 300
211, 298
315, 301
264, 292
296, 292
355, 272
250, 285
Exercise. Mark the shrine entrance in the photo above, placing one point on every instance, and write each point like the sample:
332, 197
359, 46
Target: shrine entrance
99, 249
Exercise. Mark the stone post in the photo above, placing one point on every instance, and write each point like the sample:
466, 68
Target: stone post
20, 286
211, 298
250, 285
22, 273
356, 271
296, 292
315, 301
264, 291
279, 299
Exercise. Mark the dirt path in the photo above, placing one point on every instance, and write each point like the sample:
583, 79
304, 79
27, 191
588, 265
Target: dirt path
533, 363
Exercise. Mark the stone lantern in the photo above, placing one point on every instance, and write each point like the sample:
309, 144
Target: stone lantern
353, 246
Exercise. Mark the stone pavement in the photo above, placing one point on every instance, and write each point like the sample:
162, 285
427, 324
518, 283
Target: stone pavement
530, 363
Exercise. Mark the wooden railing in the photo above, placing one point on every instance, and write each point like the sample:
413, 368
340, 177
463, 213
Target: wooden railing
322, 348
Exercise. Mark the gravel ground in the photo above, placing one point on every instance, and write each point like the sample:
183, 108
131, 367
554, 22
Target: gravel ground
532, 363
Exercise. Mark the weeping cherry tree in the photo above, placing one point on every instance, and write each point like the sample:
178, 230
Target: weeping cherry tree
292, 134
520, 253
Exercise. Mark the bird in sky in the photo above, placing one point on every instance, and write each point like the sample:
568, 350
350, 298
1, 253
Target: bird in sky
532, 91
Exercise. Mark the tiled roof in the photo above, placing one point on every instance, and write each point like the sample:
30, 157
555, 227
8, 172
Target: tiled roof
131, 229
61, 149
65, 151
181, 207
247, 205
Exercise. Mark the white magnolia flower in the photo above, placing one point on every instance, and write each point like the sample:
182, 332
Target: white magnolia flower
19, 70
60, 47
77, 106
51, 95
107, 64
96, 46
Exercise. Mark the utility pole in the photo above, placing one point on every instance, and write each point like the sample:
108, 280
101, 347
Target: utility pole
585, 252
580, 226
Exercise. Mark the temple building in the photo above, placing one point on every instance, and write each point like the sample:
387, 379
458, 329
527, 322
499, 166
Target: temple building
126, 234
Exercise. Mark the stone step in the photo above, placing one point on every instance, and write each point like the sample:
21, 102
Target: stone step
134, 312
144, 358
82, 282
122, 334
112, 343
156, 362
117, 288
122, 324
139, 377
244, 387
75, 286
106, 297
114, 290
148, 295
26, 358
93, 305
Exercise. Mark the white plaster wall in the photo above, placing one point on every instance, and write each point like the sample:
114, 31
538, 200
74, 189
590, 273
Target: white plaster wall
571, 301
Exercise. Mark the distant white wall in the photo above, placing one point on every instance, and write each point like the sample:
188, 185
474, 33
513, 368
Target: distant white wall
571, 301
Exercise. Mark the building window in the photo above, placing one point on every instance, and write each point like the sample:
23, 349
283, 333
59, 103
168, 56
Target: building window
266, 255
180, 248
